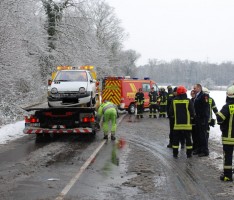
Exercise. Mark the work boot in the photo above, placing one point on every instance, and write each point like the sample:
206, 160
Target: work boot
155, 116
203, 154
105, 137
141, 116
225, 178
169, 145
113, 137
189, 155
196, 152
150, 116
175, 155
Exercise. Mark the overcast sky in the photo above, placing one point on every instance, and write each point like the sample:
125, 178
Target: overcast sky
198, 30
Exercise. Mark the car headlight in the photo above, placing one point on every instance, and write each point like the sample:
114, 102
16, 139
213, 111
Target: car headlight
82, 90
54, 90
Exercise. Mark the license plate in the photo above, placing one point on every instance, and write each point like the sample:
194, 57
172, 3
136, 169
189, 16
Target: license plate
33, 124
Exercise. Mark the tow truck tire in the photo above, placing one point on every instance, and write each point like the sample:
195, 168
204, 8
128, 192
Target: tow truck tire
131, 108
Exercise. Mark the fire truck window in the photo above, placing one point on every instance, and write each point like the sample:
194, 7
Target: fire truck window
146, 87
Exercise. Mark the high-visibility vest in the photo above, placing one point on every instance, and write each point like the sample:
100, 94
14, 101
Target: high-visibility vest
226, 120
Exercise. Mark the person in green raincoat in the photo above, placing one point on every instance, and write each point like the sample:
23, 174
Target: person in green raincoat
109, 112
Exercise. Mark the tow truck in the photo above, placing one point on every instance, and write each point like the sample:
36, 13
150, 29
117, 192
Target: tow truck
75, 118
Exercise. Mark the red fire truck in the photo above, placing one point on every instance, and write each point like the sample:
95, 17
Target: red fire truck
121, 91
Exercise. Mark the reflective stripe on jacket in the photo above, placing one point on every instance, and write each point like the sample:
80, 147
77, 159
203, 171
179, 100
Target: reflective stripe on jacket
182, 111
139, 98
226, 121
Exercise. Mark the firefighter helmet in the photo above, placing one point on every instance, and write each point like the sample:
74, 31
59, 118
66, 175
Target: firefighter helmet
181, 90
230, 92
205, 90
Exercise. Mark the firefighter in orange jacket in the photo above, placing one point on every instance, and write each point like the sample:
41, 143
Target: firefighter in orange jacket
153, 103
182, 111
225, 118
139, 101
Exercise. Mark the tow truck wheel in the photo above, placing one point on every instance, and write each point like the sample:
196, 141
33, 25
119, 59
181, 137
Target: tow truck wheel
131, 109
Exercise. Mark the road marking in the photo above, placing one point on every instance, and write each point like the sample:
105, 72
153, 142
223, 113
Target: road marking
67, 188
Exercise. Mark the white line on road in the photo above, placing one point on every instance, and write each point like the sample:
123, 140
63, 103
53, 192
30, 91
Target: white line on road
82, 169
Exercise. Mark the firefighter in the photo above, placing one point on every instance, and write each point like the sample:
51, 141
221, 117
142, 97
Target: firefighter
182, 112
211, 121
170, 96
139, 101
171, 124
225, 118
153, 103
162, 102
194, 133
109, 112
202, 109
171, 121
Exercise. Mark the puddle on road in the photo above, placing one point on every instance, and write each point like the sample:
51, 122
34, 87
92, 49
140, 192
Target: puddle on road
114, 171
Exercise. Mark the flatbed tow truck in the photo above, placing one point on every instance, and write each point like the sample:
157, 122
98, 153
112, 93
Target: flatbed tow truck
51, 121
75, 114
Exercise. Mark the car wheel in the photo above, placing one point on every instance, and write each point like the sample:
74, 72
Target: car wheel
131, 109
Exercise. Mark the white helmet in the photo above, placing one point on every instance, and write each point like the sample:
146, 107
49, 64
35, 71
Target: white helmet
205, 90
230, 92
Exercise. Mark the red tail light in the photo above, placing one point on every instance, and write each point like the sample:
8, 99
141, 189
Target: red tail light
31, 119
88, 119
85, 119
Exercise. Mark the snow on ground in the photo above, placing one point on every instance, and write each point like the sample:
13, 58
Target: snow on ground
13, 131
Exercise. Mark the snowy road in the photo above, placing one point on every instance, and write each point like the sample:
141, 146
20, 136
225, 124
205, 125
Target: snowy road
142, 169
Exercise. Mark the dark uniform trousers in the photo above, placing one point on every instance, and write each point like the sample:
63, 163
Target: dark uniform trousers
201, 130
153, 109
171, 133
177, 135
228, 153
140, 110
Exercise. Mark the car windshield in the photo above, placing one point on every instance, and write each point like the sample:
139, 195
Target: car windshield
79, 76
